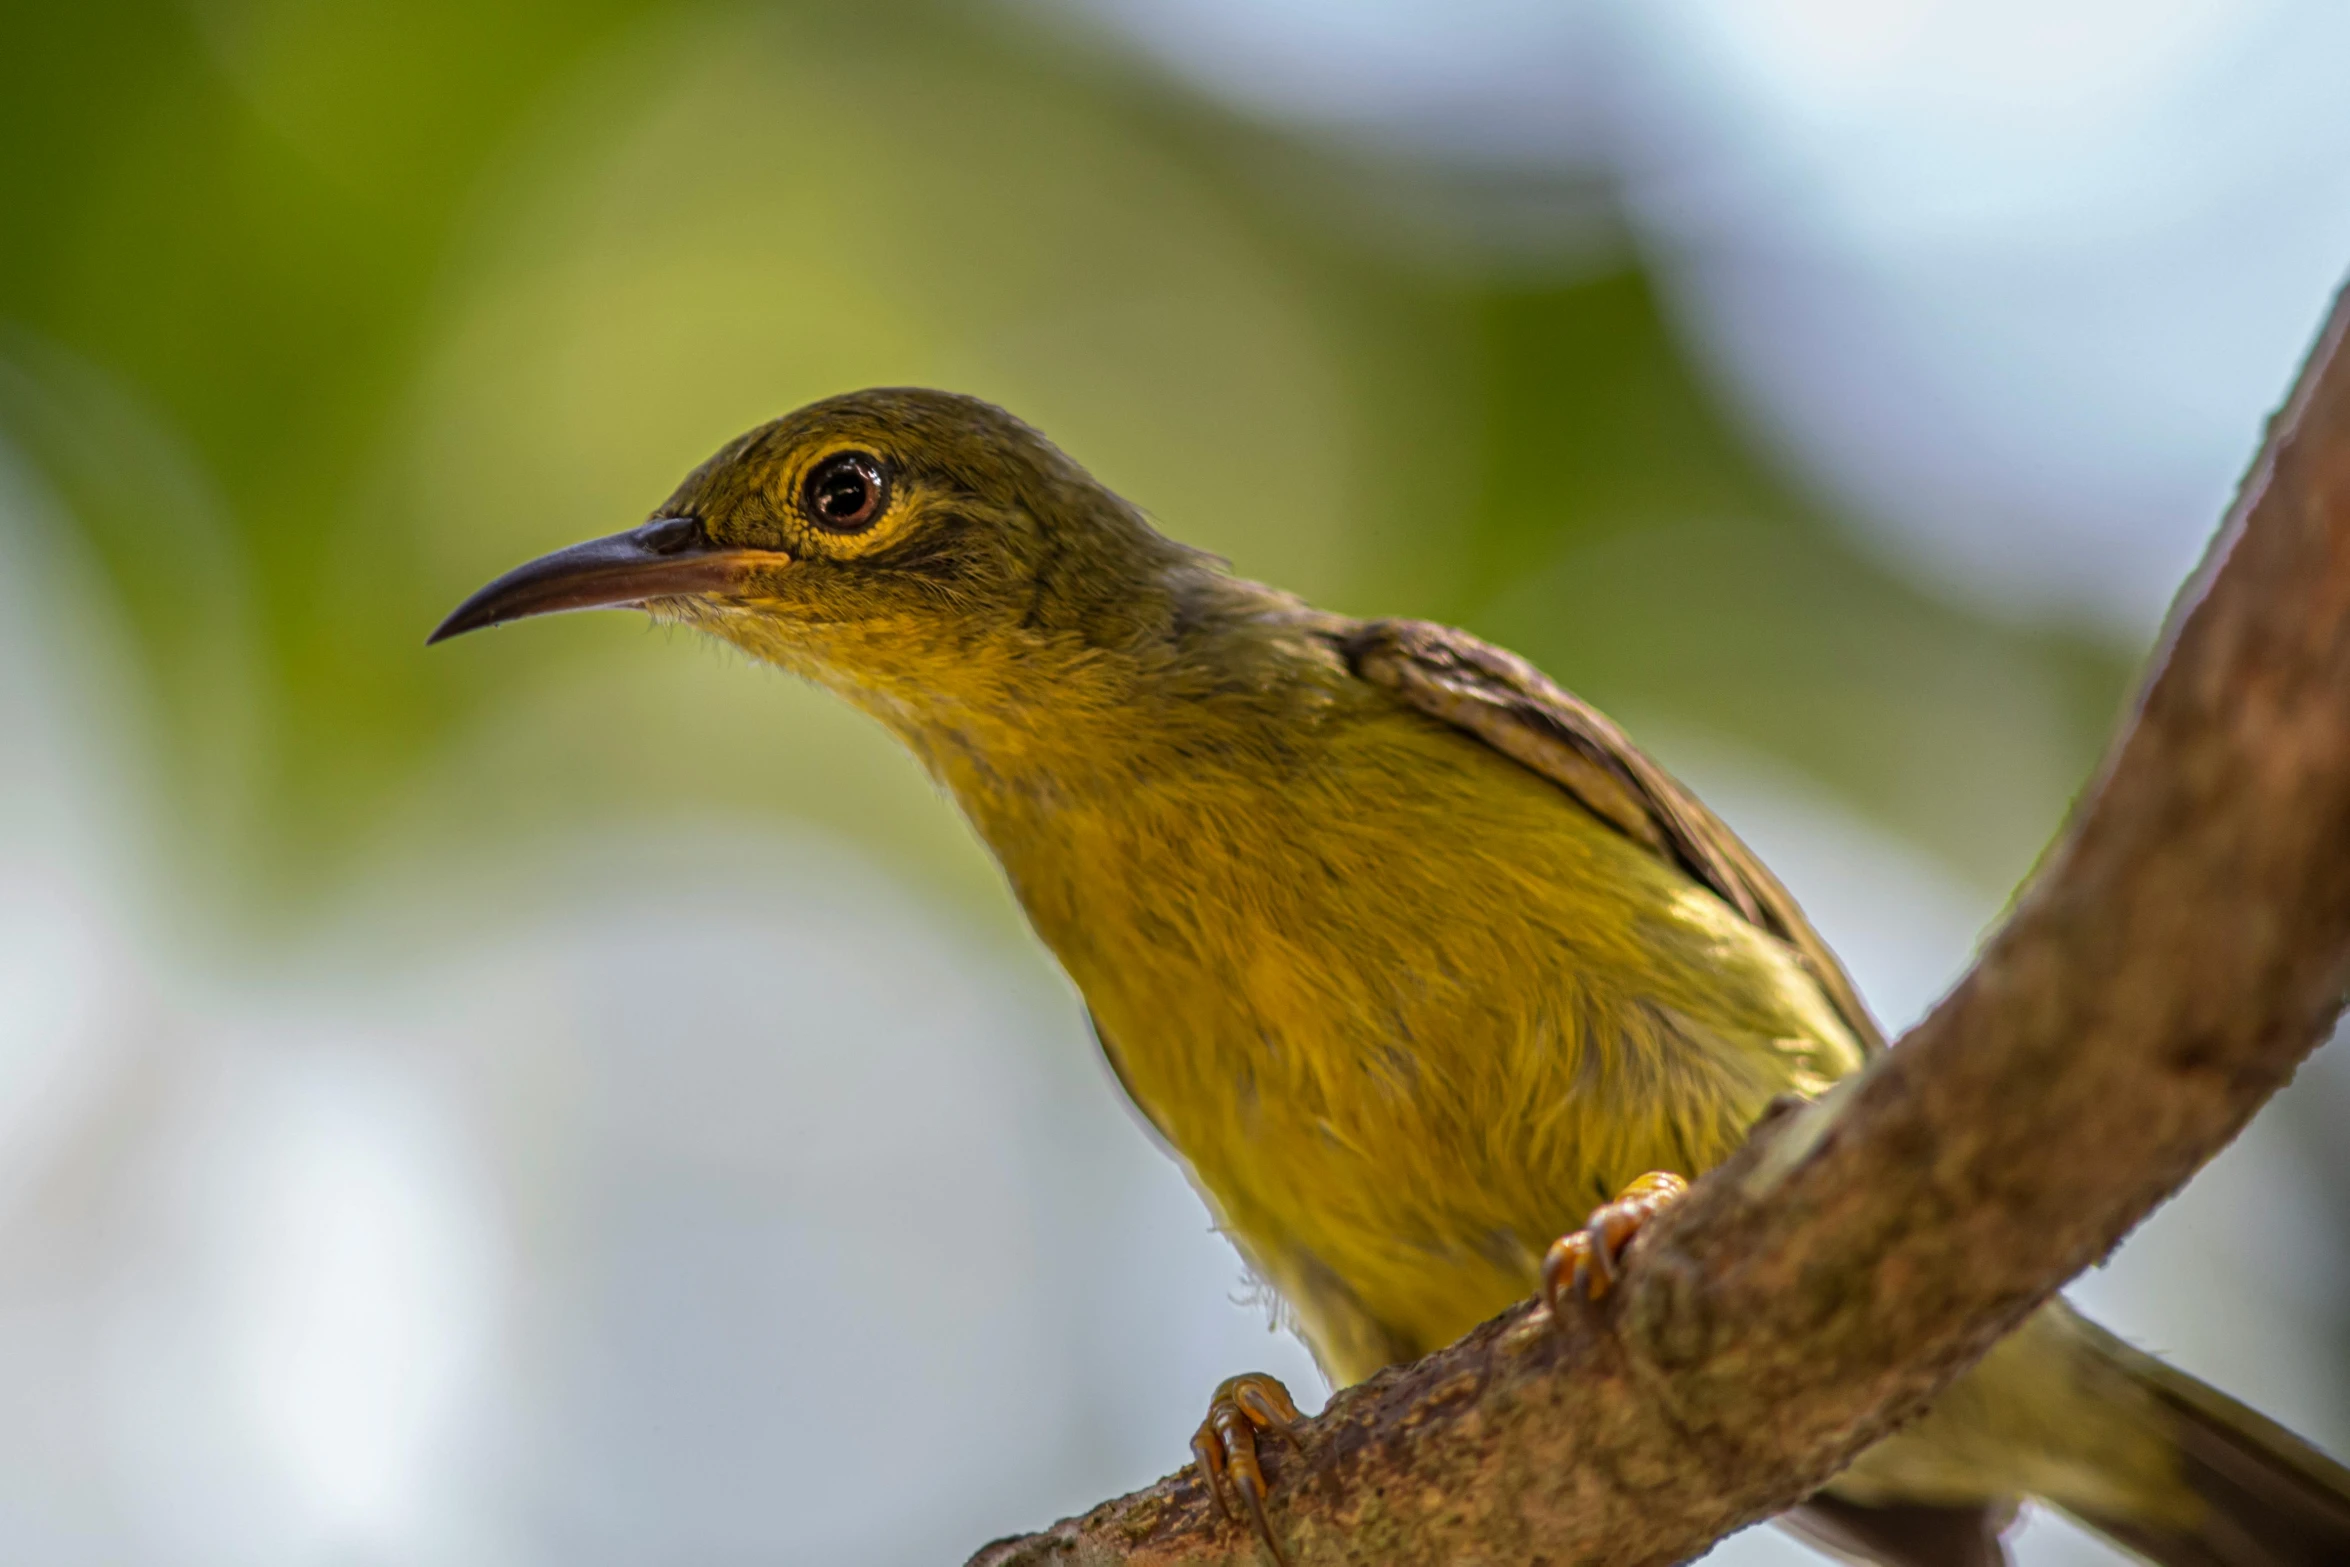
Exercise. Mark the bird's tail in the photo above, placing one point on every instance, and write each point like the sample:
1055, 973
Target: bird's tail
2250, 1493
2067, 1414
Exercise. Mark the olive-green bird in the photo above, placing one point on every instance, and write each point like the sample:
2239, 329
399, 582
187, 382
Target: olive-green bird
1413, 959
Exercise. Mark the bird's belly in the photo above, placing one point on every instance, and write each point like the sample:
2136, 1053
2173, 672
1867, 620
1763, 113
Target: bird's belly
1403, 1041
1394, 1163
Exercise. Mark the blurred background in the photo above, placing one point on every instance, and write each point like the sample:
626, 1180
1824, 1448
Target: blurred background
575, 1097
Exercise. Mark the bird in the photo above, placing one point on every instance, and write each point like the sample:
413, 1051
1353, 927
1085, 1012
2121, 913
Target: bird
1435, 985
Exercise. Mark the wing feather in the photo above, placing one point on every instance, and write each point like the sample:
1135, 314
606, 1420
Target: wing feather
1516, 709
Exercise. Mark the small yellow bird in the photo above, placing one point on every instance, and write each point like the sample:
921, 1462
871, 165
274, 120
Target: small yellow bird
1413, 959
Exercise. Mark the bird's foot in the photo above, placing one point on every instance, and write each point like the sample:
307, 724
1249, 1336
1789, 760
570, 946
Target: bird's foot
1226, 1445
1585, 1263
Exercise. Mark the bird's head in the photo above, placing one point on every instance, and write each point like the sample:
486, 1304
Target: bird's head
917, 550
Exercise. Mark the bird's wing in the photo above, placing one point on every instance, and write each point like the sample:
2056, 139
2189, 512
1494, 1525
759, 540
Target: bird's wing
1522, 713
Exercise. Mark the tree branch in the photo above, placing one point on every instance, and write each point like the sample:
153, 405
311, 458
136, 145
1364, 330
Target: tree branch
2183, 947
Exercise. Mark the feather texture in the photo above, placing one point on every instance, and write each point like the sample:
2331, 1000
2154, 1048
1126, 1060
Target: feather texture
1410, 956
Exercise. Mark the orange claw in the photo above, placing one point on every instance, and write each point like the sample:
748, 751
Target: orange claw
1585, 1261
1226, 1444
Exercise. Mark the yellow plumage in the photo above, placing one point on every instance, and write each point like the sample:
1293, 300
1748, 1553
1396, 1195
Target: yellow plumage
1410, 956
1406, 1012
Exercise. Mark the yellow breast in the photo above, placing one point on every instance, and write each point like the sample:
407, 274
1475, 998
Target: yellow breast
1408, 1012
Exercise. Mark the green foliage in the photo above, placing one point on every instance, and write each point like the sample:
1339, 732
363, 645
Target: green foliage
315, 316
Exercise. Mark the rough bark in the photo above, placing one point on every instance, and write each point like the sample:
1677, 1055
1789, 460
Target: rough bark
2185, 944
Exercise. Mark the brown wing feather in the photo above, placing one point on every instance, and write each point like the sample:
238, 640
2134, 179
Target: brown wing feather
1522, 713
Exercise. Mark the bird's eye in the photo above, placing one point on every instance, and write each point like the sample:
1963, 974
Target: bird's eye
844, 494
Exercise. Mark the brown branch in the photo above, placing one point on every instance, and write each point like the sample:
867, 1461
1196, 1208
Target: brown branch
2185, 945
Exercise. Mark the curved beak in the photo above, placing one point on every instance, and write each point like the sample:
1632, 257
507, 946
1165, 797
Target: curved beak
666, 558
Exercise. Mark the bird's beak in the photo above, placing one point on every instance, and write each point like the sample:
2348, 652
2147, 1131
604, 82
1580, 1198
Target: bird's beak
666, 558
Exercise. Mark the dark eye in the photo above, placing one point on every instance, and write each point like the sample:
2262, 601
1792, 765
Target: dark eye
844, 493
